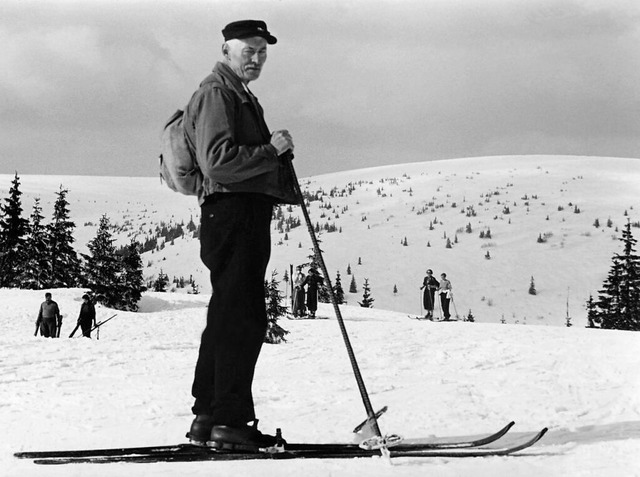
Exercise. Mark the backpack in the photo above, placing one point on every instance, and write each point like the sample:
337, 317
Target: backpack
178, 166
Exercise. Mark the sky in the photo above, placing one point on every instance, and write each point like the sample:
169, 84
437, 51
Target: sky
85, 87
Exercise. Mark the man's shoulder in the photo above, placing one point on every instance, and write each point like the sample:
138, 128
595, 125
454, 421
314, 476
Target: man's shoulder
224, 79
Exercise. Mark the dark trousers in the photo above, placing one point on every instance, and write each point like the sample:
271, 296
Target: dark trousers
235, 246
444, 300
85, 326
49, 327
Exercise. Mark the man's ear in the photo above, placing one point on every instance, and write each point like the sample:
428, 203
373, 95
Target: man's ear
225, 49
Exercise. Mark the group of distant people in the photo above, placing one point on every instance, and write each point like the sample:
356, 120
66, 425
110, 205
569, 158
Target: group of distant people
49, 319
430, 286
312, 281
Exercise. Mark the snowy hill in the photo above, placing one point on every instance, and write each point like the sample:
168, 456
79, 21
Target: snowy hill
517, 198
131, 387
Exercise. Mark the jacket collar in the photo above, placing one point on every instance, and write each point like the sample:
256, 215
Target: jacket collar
230, 78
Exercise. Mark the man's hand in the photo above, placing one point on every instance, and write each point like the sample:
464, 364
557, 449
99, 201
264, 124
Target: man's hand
282, 141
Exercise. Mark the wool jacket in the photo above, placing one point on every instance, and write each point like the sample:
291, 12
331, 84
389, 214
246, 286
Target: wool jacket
226, 127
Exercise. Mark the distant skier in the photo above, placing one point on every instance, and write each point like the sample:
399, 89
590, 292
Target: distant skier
87, 317
297, 301
430, 285
445, 295
49, 318
313, 282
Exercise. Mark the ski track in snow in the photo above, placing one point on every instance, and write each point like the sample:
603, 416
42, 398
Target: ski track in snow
132, 387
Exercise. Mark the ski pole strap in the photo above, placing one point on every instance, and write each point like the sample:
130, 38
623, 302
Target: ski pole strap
318, 254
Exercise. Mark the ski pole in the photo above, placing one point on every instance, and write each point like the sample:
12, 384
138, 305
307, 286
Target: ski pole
75, 329
454, 307
354, 364
99, 324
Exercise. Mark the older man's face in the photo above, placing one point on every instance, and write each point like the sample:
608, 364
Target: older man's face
246, 57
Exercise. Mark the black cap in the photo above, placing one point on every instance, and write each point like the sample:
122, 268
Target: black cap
247, 29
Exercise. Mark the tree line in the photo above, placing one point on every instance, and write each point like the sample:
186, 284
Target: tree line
618, 304
36, 255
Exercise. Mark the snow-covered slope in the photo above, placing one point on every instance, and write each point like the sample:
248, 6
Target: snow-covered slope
517, 198
132, 386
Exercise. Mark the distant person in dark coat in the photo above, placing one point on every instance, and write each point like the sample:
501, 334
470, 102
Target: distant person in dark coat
49, 317
299, 282
313, 282
430, 285
87, 317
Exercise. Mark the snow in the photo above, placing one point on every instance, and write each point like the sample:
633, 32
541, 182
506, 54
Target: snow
132, 386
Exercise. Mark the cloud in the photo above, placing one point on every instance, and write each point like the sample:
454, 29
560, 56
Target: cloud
386, 81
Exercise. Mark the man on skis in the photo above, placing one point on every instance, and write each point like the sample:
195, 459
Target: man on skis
245, 173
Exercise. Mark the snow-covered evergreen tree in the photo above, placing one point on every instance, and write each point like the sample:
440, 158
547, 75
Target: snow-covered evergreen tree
132, 277
592, 313
352, 286
13, 233
36, 266
337, 289
367, 301
102, 267
160, 284
275, 309
619, 300
63, 260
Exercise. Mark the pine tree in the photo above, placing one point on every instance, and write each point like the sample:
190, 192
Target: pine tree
63, 260
619, 301
367, 301
160, 283
470, 318
36, 265
102, 268
132, 277
532, 287
337, 290
352, 286
324, 295
592, 313
13, 232
275, 309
